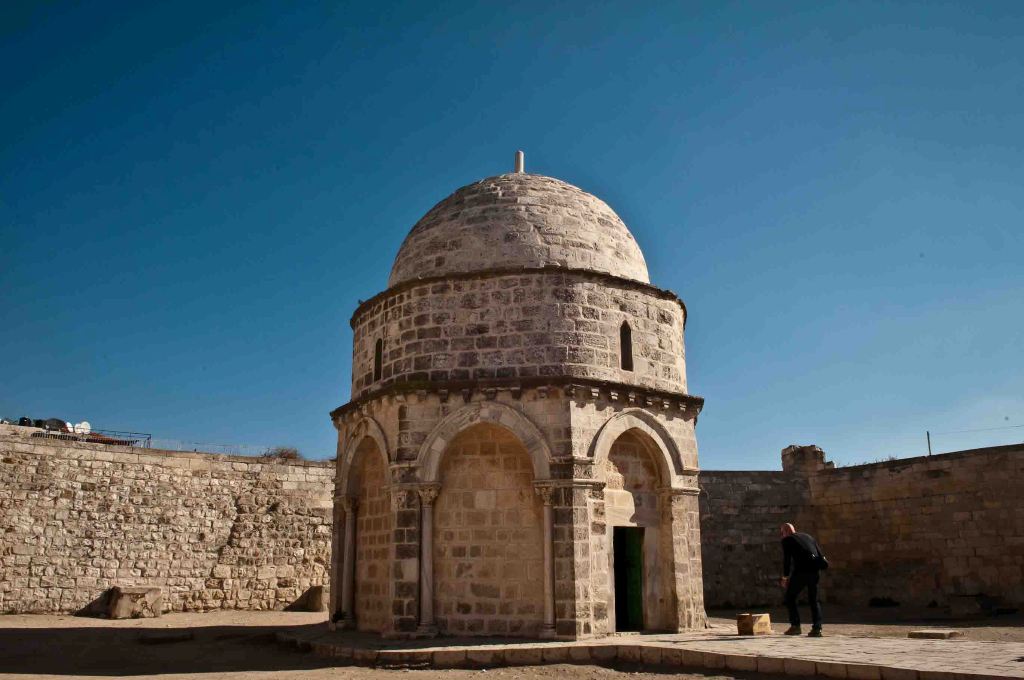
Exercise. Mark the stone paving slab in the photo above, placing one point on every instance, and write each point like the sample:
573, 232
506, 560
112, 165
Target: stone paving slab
838, 657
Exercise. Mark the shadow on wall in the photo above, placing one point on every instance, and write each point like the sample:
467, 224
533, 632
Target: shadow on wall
98, 607
314, 599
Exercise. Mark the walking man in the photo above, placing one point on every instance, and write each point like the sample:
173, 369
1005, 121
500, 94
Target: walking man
802, 562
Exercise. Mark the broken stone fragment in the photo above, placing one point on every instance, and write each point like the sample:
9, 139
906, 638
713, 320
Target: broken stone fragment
135, 603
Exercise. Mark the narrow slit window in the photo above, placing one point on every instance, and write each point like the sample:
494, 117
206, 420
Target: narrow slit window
626, 346
378, 359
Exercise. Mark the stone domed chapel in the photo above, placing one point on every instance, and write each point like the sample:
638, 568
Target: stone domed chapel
518, 457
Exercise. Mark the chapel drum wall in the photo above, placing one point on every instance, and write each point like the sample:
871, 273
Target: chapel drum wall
527, 325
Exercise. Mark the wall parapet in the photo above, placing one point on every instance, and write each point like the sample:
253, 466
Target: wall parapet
36, 435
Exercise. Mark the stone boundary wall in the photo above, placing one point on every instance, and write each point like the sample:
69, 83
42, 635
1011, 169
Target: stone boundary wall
920, 531
212, 531
740, 514
217, 531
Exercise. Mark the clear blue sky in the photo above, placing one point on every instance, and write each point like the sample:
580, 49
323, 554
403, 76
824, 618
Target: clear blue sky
194, 196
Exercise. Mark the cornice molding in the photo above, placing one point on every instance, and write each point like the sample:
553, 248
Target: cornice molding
578, 389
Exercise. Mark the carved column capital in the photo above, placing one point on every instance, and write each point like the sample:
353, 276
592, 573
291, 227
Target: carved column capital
669, 494
400, 497
544, 491
428, 493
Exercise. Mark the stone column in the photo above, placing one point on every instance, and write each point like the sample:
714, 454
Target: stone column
348, 563
683, 510
428, 494
548, 629
337, 517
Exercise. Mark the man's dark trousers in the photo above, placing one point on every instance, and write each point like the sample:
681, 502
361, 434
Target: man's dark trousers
797, 582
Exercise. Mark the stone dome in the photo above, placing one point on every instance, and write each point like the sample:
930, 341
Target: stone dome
518, 220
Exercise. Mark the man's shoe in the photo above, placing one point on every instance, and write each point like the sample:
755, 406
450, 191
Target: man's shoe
792, 630
815, 632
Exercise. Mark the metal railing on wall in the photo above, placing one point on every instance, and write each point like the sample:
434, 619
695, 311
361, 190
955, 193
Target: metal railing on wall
147, 441
210, 447
94, 436
54, 428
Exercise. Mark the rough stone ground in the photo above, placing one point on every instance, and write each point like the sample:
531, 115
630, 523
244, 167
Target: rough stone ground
236, 645
889, 622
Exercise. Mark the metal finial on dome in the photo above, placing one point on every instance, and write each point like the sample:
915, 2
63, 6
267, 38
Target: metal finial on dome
520, 162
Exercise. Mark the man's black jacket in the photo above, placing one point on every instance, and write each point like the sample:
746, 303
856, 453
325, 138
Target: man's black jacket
799, 553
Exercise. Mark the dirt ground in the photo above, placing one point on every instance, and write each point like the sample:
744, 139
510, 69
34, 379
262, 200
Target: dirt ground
236, 645
224, 646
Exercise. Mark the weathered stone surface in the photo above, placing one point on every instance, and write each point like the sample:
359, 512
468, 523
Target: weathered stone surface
374, 545
770, 665
518, 220
799, 667
827, 669
838, 657
895, 673
488, 560
945, 531
753, 624
135, 603
741, 662
210, 531
521, 376
449, 658
312, 600
523, 326
520, 655
935, 634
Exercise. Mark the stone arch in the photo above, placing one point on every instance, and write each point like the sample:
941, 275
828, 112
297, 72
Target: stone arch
428, 461
637, 460
488, 537
365, 428
666, 453
373, 537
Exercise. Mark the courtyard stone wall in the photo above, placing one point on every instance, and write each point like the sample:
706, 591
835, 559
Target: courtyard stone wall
212, 531
740, 515
533, 324
918, 531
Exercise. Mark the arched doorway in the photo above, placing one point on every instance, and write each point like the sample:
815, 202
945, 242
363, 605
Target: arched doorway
373, 538
638, 538
488, 537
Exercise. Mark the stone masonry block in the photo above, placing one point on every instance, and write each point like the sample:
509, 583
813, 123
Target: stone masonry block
135, 603
449, 658
753, 624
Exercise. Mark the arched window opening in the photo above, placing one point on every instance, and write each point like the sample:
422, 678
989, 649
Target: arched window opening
378, 359
626, 346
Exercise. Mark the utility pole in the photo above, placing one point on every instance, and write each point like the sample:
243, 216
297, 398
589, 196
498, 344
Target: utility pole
929, 435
